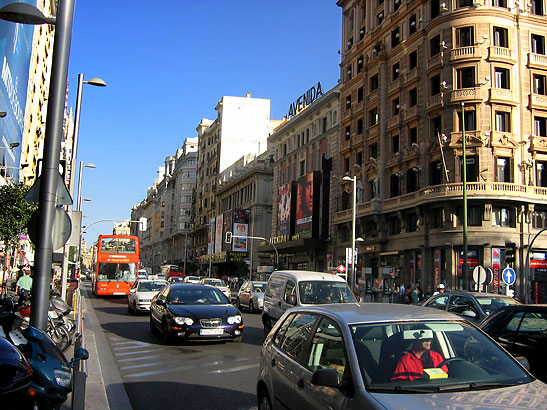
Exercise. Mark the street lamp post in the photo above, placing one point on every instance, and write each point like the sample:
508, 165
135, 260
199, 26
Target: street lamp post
353, 222
24, 13
465, 269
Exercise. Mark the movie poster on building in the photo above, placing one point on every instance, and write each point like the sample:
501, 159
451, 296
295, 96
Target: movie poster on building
241, 228
307, 203
211, 237
412, 268
496, 260
219, 239
284, 207
436, 267
227, 219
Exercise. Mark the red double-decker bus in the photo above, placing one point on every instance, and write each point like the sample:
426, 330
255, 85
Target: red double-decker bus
116, 264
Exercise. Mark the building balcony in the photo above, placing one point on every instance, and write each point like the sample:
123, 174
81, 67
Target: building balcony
372, 97
468, 53
537, 61
501, 54
345, 145
411, 113
412, 75
434, 62
503, 95
466, 95
538, 101
394, 85
393, 121
433, 102
448, 192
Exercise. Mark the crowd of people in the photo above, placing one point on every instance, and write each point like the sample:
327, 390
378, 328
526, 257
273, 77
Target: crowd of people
17, 279
413, 294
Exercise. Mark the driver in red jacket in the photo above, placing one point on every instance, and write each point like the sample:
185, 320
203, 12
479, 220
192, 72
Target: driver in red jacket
412, 365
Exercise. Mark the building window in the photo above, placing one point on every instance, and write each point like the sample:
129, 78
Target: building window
502, 217
412, 25
501, 37
435, 8
395, 71
465, 3
413, 97
464, 37
435, 46
470, 170
395, 107
394, 225
411, 222
436, 126
469, 118
474, 215
465, 77
435, 85
395, 184
413, 135
503, 121
373, 117
348, 104
437, 218
539, 84
396, 4
413, 60
499, 3
373, 151
540, 126
539, 219
412, 179
346, 164
538, 44
435, 173
360, 126
374, 83
360, 94
359, 158
348, 132
503, 170
541, 174
395, 37
395, 144
501, 78
537, 7
379, 18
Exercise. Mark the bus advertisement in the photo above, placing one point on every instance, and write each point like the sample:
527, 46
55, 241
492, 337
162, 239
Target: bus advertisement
116, 265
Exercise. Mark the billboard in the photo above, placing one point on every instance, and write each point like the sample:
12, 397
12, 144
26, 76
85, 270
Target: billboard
240, 228
307, 203
285, 201
15, 54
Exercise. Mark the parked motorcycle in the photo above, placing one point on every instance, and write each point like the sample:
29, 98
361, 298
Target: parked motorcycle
15, 377
51, 380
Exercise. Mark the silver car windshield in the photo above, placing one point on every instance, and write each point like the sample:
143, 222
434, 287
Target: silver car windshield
432, 356
491, 303
322, 292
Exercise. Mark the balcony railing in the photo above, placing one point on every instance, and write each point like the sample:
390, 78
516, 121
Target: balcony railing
434, 61
475, 190
537, 60
503, 95
538, 101
465, 94
465, 53
500, 54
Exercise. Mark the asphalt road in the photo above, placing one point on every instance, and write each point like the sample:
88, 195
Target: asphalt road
190, 376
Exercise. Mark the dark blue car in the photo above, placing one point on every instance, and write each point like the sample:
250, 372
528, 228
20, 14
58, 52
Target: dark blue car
198, 312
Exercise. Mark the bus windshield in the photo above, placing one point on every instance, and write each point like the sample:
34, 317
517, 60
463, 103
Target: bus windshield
118, 245
117, 272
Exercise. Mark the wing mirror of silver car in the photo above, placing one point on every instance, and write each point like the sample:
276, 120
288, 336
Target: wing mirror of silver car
325, 377
469, 313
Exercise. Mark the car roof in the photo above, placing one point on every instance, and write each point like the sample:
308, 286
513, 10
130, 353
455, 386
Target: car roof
182, 285
527, 308
152, 280
474, 294
353, 313
307, 275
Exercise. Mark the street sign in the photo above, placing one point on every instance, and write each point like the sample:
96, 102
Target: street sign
479, 275
509, 276
62, 226
341, 269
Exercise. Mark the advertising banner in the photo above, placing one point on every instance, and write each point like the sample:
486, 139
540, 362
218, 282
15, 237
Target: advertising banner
284, 208
496, 260
241, 228
219, 238
436, 267
307, 203
15, 55
472, 261
538, 260
412, 269
211, 237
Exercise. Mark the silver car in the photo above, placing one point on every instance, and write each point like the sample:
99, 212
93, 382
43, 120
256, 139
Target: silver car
217, 283
251, 295
388, 356
142, 293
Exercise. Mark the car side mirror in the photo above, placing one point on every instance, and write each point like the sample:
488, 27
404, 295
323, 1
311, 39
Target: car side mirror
469, 313
325, 377
523, 362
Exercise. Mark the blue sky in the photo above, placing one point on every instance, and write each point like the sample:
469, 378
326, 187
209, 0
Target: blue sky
167, 64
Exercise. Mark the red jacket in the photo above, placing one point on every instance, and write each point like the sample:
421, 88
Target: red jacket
411, 367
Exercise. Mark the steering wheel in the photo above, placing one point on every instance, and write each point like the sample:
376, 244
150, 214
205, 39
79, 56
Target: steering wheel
451, 360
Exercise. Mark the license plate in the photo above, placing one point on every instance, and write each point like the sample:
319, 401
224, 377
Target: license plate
211, 331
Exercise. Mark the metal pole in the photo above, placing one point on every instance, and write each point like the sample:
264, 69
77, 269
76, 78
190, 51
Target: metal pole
185, 242
75, 138
353, 271
465, 269
50, 164
79, 199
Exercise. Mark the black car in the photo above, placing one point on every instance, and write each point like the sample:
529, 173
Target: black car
192, 311
522, 331
472, 306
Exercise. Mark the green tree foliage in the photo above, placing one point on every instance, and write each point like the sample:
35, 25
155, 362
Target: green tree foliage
14, 213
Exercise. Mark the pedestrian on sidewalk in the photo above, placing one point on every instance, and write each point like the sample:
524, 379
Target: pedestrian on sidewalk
24, 284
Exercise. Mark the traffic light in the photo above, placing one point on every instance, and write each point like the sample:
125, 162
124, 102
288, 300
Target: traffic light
228, 237
510, 252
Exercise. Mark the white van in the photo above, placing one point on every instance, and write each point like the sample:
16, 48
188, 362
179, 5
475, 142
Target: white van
287, 289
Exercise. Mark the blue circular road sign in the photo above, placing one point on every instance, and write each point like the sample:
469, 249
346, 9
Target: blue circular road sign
509, 276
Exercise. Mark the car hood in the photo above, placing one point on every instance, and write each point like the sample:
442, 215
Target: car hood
147, 294
203, 311
528, 396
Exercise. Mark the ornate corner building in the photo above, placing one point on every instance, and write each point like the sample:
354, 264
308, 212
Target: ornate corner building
421, 80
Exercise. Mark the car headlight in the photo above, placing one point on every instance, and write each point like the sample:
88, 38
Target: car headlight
234, 319
180, 320
62, 377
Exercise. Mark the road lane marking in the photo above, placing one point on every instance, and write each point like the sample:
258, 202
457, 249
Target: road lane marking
134, 359
233, 369
137, 352
129, 347
132, 343
176, 369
